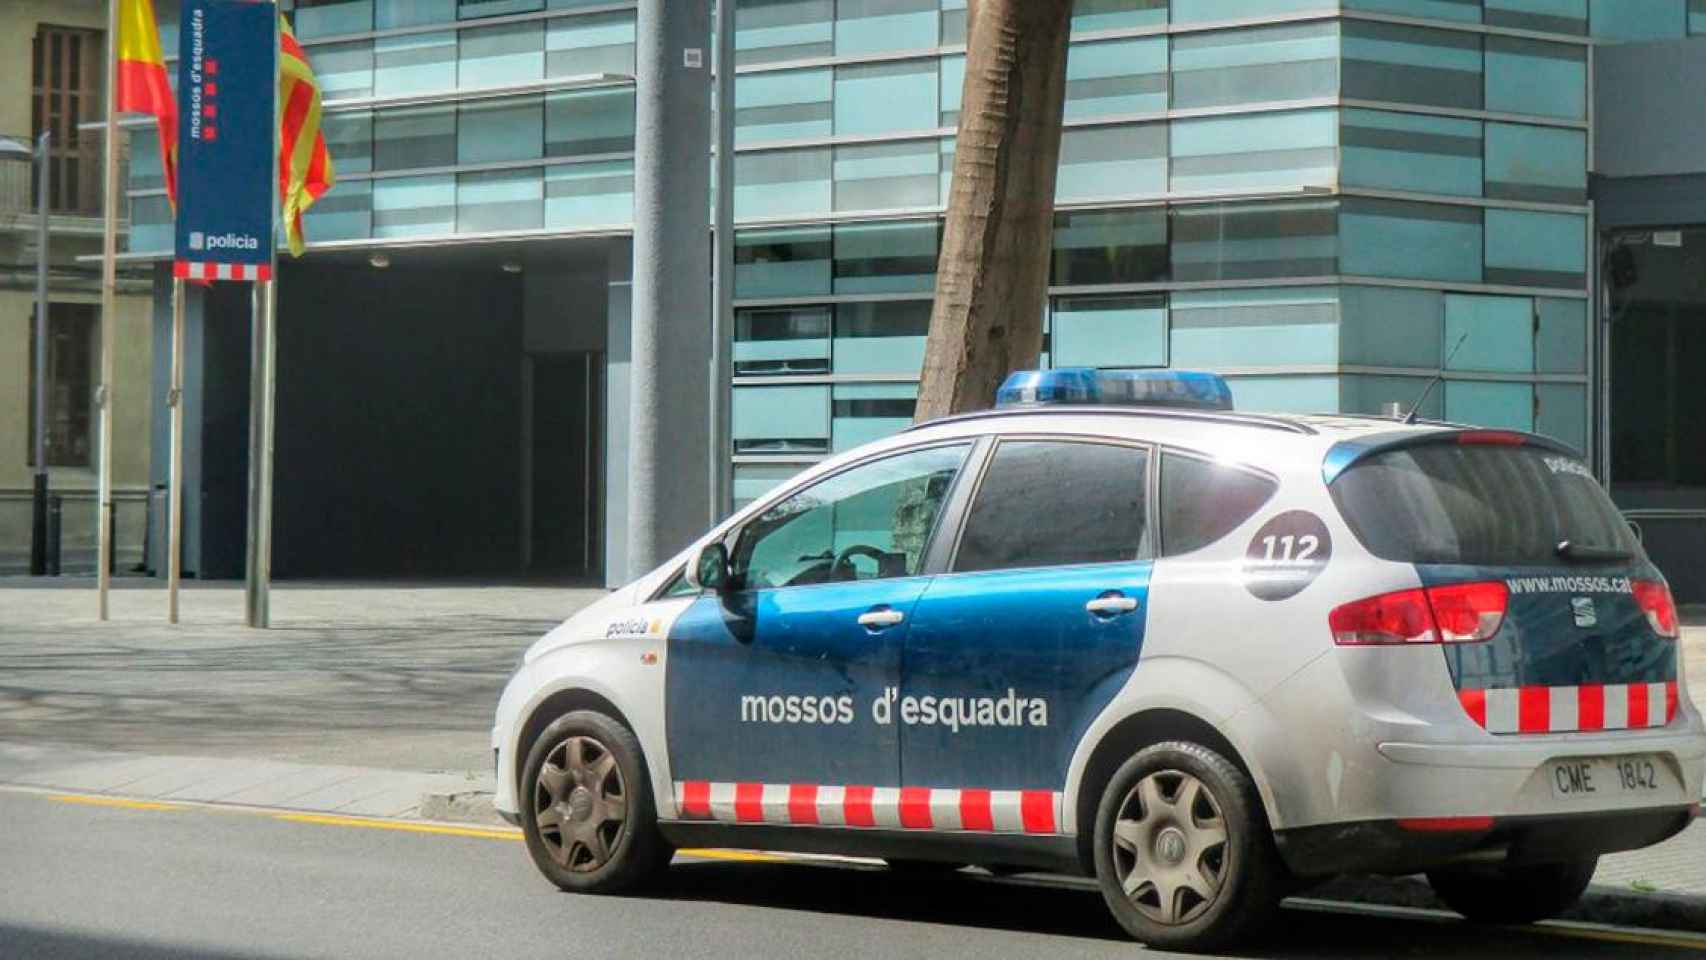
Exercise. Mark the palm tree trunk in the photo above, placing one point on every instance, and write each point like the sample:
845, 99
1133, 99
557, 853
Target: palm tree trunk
992, 276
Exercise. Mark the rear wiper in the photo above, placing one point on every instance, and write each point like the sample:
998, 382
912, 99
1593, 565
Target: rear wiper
1587, 553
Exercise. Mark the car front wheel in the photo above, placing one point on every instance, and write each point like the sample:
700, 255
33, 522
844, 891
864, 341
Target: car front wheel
1183, 853
1521, 894
587, 812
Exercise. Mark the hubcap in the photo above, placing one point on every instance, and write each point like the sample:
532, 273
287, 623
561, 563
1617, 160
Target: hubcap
1170, 852
580, 804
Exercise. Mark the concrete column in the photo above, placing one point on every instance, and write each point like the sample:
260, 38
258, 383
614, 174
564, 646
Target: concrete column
619, 305
669, 376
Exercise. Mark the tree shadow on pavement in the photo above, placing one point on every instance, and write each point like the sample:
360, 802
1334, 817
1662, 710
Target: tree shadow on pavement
37, 943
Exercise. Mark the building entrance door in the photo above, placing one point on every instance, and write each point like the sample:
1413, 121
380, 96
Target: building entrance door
563, 488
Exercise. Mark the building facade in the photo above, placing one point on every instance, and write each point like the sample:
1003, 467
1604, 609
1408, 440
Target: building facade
1329, 203
51, 78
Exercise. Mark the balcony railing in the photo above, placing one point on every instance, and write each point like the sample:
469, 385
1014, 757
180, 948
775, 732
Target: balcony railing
77, 180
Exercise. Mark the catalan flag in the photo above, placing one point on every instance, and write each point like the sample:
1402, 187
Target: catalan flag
140, 79
304, 163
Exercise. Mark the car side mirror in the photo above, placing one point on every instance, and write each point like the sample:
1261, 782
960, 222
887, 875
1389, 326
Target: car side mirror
710, 570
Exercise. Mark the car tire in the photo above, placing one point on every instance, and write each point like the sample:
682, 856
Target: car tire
1520, 894
1183, 853
586, 807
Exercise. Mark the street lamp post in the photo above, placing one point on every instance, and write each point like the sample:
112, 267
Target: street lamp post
12, 150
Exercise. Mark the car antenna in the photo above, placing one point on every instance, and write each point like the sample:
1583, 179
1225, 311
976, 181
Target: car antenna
1416, 408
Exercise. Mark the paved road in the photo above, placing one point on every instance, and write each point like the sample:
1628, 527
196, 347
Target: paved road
91, 879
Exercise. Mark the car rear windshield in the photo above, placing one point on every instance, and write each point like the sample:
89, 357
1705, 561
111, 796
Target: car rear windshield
1477, 504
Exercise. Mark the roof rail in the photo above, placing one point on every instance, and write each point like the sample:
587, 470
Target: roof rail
1264, 421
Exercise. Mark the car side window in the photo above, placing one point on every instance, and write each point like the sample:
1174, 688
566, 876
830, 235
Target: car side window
1203, 500
868, 522
1054, 503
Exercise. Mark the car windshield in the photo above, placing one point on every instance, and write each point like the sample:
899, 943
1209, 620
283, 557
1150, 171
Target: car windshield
1479, 504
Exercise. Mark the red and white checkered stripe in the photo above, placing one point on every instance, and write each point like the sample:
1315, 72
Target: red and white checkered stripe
1534, 709
896, 808
196, 270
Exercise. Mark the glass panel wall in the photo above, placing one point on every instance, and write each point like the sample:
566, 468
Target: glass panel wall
1256, 65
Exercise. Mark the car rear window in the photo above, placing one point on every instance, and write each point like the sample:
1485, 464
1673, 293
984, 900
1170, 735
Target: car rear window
1477, 504
1202, 500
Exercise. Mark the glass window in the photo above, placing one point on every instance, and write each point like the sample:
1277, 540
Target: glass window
1255, 327
1531, 76
73, 330
316, 18
886, 175
953, 21
1468, 10
1365, 394
589, 194
1286, 394
582, 123
1439, 68
414, 206
1696, 17
499, 200
1088, 15
414, 63
779, 183
345, 70
342, 214
886, 97
1203, 500
1552, 16
151, 224
472, 9
1625, 20
780, 419
886, 257
1256, 65
1113, 77
593, 43
1487, 403
349, 139
1543, 164
1422, 241
1101, 522
753, 480
1110, 246
1538, 249
1122, 161
1472, 504
1390, 327
945, 168
146, 171
1413, 152
1252, 152
786, 262
873, 26
767, 31
1198, 11
872, 521
410, 13
784, 105
781, 340
410, 138
1496, 333
1108, 332
504, 54
1560, 412
884, 337
490, 131
953, 83
1561, 344
864, 412
1241, 241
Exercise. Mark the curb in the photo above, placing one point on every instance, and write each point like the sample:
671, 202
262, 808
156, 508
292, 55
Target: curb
1601, 904
468, 806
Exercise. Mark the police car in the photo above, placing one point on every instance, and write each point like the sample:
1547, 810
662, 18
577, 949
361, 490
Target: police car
1113, 628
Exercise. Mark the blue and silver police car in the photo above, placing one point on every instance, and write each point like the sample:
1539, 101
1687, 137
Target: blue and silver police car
1114, 628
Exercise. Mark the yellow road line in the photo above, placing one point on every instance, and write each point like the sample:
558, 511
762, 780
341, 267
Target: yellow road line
119, 802
484, 833
1681, 941
739, 856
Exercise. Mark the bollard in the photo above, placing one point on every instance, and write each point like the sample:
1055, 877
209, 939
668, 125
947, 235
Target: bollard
55, 516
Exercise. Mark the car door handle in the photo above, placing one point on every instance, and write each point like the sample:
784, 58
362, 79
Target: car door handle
1110, 606
878, 619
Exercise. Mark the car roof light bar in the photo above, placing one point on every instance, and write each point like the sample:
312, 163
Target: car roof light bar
1088, 386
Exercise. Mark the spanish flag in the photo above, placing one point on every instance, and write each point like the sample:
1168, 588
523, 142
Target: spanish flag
140, 79
304, 163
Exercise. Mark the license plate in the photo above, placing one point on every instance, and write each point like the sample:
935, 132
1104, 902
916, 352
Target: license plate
1590, 778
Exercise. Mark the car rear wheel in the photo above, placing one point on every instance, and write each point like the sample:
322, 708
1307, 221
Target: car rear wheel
1513, 894
587, 812
1183, 853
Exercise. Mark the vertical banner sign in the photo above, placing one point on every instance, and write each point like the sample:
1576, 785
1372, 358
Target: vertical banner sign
227, 86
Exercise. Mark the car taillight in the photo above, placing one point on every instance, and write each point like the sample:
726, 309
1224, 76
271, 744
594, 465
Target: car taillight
1454, 613
1655, 601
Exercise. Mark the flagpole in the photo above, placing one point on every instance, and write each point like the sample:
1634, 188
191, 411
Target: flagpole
175, 400
263, 376
109, 320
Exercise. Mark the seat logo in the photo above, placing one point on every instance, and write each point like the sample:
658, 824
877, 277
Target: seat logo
1582, 609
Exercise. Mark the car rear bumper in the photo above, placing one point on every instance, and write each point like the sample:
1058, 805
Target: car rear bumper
1410, 846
